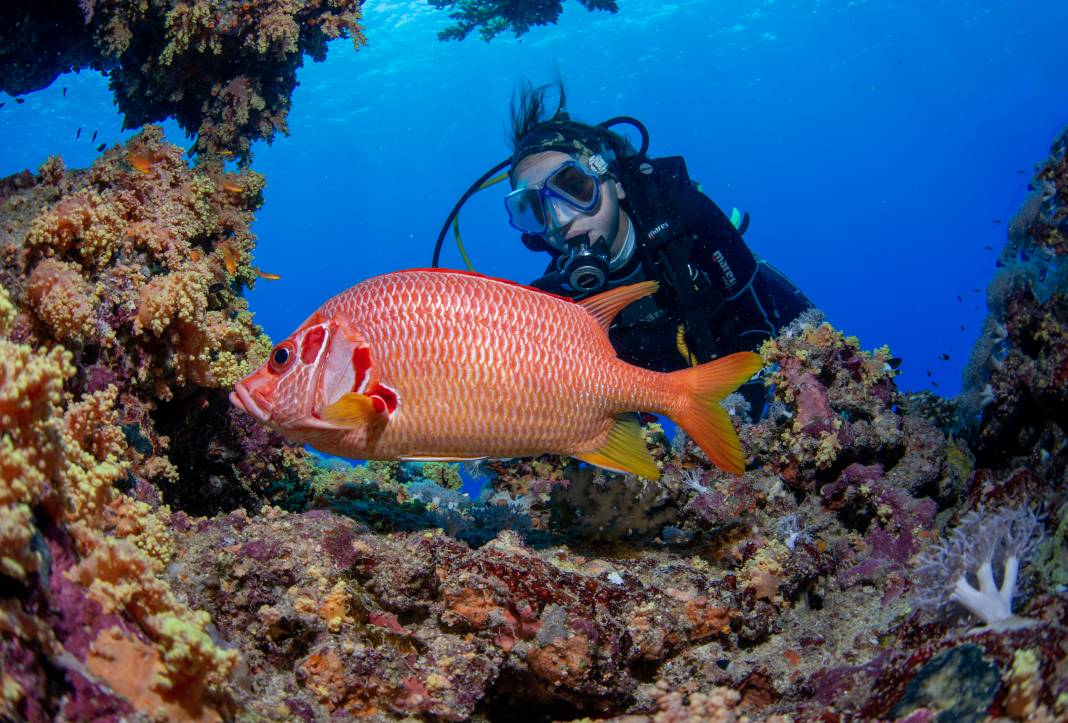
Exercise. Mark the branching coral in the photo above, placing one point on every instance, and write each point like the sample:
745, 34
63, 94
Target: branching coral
948, 572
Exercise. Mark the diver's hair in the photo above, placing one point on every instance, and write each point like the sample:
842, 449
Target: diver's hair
528, 109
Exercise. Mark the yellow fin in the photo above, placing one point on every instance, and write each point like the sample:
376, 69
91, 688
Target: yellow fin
625, 450
607, 304
351, 410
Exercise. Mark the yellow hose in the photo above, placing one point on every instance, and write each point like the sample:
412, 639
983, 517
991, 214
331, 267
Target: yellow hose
684, 350
456, 222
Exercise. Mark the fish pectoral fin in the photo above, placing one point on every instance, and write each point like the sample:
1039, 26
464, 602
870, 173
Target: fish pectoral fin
624, 451
353, 410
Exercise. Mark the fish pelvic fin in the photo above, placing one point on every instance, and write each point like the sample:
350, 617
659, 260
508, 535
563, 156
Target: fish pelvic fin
625, 450
701, 415
607, 304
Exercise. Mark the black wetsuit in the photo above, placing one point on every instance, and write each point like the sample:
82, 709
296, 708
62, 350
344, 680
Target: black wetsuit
729, 300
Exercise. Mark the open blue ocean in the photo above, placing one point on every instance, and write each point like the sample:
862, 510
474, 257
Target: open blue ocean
880, 147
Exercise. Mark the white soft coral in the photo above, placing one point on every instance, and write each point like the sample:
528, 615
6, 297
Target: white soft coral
950, 571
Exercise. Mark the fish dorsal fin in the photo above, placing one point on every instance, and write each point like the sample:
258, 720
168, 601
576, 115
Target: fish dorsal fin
625, 450
606, 305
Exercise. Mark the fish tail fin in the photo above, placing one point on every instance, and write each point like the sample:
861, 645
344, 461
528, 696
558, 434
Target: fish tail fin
700, 414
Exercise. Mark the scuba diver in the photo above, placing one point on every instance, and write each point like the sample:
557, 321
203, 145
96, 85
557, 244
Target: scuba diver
608, 215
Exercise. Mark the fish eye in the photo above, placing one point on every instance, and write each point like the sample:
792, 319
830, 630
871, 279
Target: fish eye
282, 356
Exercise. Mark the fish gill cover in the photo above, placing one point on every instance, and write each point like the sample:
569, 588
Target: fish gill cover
163, 556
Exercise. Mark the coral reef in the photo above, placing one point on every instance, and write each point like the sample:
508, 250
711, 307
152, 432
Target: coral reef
162, 557
135, 266
492, 17
82, 595
224, 71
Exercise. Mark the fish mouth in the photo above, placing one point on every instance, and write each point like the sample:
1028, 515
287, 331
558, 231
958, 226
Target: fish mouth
245, 400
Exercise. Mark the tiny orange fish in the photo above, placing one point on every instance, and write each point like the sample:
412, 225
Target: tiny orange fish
232, 187
229, 259
266, 275
450, 365
196, 254
141, 161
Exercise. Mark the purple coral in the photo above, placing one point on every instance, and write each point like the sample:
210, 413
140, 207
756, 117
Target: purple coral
982, 541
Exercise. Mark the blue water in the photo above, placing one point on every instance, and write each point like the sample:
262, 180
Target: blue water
874, 144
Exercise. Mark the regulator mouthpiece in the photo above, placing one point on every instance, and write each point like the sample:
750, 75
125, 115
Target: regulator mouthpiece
584, 265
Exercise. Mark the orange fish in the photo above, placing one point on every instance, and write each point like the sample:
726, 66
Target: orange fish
233, 187
433, 364
141, 161
266, 274
229, 258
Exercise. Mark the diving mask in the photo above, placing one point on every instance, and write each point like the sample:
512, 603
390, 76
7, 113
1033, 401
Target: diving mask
567, 192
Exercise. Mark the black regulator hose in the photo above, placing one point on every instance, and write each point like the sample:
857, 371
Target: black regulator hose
459, 204
631, 121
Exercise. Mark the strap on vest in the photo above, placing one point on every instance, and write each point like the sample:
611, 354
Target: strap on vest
694, 307
667, 254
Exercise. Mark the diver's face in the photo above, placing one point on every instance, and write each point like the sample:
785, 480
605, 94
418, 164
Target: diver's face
604, 220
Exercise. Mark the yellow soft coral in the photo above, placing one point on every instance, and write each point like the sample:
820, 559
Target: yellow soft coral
7, 311
227, 369
31, 391
136, 522
95, 449
16, 535
165, 300
133, 669
62, 299
85, 222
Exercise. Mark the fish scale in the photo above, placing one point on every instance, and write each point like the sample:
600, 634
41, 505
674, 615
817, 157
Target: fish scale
473, 353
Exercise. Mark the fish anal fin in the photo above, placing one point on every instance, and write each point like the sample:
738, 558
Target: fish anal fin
606, 305
624, 450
